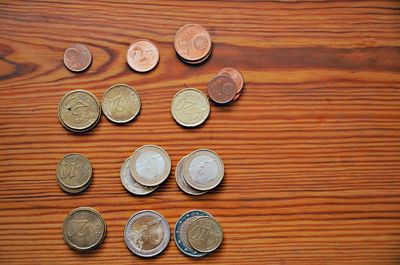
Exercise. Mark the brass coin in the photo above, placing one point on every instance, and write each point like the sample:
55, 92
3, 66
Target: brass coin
121, 103
77, 57
180, 180
84, 229
74, 171
192, 42
73, 191
222, 89
190, 107
205, 234
150, 165
142, 55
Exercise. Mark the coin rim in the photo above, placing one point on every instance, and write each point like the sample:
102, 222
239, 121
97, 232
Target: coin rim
220, 227
86, 66
221, 102
150, 68
133, 191
190, 192
196, 58
74, 187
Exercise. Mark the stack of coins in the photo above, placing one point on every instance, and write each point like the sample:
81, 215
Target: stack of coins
147, 233
84, 229
79, 111
142, 55
197, 233
226, 87
77, 57
74, 173
199, 172
145, 170
193, 44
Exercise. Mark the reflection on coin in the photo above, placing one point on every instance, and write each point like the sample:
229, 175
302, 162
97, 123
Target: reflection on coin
130, 183
74, 171
181, 232
222, 89
147, 233
150, 165
192, 42
121, 103
181, 180
205, 234
142, 55
235, 75
77, 57
84, 229
190, 107
79, 111
203, 169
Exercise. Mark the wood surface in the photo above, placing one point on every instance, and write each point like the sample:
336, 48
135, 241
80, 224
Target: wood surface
311, 149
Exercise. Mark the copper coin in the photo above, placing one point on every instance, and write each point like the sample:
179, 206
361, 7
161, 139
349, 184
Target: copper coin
142, 55
77, 57
222, 89
192, 42
235, 75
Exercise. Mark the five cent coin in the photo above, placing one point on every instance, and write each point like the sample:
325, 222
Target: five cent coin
142, 55
222, 89
77, 57
235, 75
192, 42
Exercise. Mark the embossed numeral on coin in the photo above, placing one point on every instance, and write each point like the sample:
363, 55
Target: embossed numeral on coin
68, 170
201, 232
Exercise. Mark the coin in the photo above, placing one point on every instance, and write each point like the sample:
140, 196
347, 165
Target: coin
222, 89
73, 191
205, 234
203, 169
84, 229
150, 165
130, 183
121, 103
190, 107
181, 232
74, 172
79, 111
235, 75
180, 180
198, 61
142, 55
192, 42
147, 233
77, 57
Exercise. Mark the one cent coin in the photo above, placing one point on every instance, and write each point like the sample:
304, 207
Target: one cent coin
77, 57
222, 89
235, 75
121, 103
142, 55
205, 234
74, 171
130, 183
180, 180
84, 229
192, 42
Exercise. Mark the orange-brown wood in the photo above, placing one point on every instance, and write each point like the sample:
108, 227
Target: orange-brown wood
311, 148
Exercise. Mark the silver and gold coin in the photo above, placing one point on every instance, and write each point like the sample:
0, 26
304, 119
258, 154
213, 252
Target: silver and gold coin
203, 169
180, 180
74, 173
84, 229
130, 183
147, 233
190, 107
205, 234
121, 103
150, 165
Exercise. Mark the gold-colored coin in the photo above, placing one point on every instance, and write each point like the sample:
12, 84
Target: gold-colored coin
84, 229
190, 107
205, 234
79, 111
74, 171
121, 103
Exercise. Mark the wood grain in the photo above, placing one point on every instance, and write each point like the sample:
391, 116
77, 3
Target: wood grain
311, 149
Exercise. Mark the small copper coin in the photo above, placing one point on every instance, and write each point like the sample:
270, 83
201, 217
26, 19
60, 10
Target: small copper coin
192, 42
235, 75
77, 57
222, 89
142, 55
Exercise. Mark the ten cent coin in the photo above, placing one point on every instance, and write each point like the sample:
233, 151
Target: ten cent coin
205, 234
74, 171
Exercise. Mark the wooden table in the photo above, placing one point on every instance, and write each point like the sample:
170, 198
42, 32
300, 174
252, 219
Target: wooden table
311, 149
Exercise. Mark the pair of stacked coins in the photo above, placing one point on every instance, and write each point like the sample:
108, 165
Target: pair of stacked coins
74, 173
199, 172
226, 87
145, 170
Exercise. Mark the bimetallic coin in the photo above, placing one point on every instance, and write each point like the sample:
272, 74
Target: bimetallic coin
131, 184
205, 234
181, 232
192, 42
142, 55
74, 171
150, 165
77, 57
222, 89
121, 103
147, 233
235, 75
79, 111
84, 229
190, 107
203, 169
180, 180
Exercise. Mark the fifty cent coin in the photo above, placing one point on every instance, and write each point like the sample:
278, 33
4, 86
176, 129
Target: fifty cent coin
77, 57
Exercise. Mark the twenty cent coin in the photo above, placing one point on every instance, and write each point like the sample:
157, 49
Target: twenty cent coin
147, 233
84, 229
180, 180
222, 89
121, 103
205, 234
130, 183
74, 172
77, 57
142, 55
150, 165
192, 42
